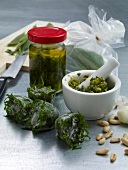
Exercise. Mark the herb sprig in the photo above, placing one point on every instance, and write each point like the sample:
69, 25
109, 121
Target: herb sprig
21, 43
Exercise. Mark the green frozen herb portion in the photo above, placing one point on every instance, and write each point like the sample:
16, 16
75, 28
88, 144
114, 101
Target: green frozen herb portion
80, 59
43, 117
72, 129
41, 92
35, 115
17, 108
97, 85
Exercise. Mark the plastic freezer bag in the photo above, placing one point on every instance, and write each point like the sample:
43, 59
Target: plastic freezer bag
88, 47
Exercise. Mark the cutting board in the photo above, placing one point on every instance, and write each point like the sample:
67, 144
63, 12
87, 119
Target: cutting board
5, 58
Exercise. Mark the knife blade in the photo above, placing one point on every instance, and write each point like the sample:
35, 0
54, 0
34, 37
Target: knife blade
12, 71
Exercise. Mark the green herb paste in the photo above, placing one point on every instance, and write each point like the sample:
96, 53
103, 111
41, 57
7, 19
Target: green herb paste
97, 85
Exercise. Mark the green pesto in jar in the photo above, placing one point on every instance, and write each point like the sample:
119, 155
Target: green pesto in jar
47, 59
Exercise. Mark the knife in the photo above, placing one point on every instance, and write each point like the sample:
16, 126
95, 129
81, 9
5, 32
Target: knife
12, 71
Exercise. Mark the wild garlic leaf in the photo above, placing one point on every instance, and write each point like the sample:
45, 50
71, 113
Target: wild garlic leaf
10, 52
34, 26
20, 47
49, 25
78, 59
21, 43
16, 40
26, 44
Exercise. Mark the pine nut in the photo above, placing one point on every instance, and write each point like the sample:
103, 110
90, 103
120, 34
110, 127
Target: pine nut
108, 134
113, 157
106, 129
111, 117
115, 140
114, 120
102, 141
102, 123
124, 141
126, 151
99, 136
125, 135
102, 151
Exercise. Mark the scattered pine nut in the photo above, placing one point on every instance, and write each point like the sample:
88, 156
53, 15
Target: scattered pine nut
115, 140
102, 123
102, 151
102, 141
124, 141
106, 129
125, 135
99, 136
108, 134
111, 117
113, 157
114, 120
126, 151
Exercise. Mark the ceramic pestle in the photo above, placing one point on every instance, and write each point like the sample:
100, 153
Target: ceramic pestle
104, 71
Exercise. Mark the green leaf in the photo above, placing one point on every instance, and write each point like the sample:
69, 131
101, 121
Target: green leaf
34, 26
49, 25
25, 45
78, 59
16, 40
17, 53
21, 42
21, 46
10, 52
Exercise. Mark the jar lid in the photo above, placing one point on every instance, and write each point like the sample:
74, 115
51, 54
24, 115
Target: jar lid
47, 35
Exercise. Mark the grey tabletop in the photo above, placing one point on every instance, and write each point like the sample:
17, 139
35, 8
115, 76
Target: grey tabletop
20, 149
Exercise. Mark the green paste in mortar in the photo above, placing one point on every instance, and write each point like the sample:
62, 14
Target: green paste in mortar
97, 85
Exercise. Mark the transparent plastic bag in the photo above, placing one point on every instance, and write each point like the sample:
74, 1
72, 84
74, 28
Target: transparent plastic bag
88, 47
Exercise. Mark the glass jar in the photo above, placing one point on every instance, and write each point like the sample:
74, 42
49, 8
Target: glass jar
47, 56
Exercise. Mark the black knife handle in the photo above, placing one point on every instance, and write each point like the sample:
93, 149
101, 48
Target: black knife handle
3, 81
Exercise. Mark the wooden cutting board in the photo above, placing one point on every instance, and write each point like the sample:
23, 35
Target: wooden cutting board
5, 58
